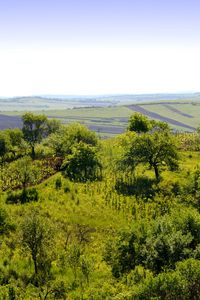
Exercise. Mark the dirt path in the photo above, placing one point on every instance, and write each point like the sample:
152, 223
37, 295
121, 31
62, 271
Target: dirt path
154, 115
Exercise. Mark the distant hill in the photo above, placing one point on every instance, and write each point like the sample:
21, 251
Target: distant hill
62, 102
108, 115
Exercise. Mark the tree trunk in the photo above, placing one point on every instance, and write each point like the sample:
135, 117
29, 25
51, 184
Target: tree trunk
157, 174
33, 152
36, 271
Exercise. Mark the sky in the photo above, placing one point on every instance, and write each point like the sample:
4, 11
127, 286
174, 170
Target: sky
99, 47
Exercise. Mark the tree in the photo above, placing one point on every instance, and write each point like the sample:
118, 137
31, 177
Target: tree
18, 144
53, 126
83, 164
37, 240
63, 140
158, 149
25, 171
139, 123
34, 129
157, 245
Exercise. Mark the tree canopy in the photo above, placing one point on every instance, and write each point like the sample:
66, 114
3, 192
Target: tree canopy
34, 128
139, 123
158, 149
83, 164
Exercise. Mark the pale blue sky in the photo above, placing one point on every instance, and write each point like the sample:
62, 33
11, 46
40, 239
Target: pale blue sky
98, 47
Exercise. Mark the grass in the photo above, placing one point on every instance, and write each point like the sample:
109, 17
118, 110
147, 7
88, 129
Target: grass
97, 206
193, 110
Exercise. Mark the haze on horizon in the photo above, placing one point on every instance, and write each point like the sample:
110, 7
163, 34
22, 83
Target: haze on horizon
99, 47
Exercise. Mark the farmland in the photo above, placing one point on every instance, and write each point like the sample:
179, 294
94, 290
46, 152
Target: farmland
105, 116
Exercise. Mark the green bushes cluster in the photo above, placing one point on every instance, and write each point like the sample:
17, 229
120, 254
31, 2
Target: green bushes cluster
24, 196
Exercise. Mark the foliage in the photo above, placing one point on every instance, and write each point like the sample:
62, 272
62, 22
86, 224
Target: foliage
83, 164
4, 145
22, 173
139, 123
64, 139
37, 240
24, 196
126, 236
158, 149
5, 224
183, 283
34, 128
157, 245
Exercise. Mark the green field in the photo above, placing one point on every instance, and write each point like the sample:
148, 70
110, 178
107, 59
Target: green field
182, 115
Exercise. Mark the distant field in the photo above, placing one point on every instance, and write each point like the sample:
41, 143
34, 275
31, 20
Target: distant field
42, 103
182, 115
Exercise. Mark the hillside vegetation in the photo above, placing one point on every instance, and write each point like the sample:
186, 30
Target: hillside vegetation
84, 218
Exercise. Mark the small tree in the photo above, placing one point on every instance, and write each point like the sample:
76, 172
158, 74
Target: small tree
139, 123
18, 145
37, 240
25, 171
66, 137
158, 149
83, 164
53, 125
34, 128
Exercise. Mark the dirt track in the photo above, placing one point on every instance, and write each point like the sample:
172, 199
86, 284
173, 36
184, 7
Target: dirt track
154, 115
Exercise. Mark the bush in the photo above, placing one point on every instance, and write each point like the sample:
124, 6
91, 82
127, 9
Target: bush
58, 183
83, 164
13, 197
27, 195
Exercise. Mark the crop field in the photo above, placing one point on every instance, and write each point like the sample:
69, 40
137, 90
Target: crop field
182, 115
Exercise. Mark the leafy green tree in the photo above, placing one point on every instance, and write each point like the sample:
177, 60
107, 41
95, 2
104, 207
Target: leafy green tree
158, 149
139, 123
18, 144
63, 140
156, 245
83, 164
34, 128
182, 283
37, 239
53, 125
25, 171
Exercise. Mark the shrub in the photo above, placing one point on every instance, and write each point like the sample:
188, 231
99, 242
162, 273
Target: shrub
27, 195
58, 183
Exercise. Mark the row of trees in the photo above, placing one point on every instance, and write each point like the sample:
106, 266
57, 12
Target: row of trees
152, 144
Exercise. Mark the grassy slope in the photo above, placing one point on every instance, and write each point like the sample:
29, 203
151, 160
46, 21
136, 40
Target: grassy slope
190, 109
96, 205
